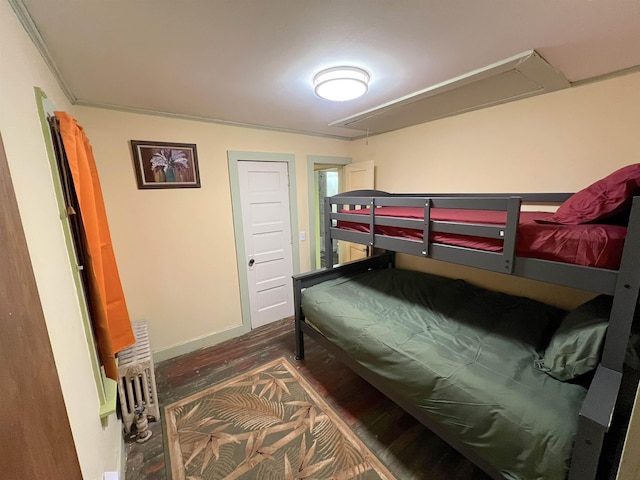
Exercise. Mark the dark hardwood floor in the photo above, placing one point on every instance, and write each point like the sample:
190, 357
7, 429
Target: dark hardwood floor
408, 449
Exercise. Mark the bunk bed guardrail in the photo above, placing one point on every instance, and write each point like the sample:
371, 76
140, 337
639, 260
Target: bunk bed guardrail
577, 276
507, 233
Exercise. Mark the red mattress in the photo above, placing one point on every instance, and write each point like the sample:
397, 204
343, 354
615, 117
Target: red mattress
593, 245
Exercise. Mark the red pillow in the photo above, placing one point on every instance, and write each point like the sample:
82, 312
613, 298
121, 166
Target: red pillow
603, 199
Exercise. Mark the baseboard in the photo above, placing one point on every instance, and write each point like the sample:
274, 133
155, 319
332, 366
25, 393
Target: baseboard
198, 343
122, 468
121, 455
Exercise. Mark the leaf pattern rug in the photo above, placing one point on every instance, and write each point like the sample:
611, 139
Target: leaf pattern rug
266, 424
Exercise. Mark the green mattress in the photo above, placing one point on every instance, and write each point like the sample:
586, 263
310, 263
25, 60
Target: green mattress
464, 355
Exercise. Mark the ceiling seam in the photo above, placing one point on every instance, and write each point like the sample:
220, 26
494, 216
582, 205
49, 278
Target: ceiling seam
30, 27
606, 76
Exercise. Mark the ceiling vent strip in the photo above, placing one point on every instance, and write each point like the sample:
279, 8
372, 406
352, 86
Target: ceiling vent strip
514, 78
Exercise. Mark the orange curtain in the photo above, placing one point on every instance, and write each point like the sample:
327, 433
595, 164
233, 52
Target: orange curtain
111, 322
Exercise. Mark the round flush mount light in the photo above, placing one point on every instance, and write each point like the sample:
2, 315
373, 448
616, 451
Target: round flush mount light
341, 83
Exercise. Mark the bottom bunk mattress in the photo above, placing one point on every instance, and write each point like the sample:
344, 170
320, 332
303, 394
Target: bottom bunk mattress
464, 355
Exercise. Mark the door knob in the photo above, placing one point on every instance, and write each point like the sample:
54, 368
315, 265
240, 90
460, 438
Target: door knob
251, 262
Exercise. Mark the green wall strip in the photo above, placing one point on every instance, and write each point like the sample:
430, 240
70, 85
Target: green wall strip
314, 232
105, 386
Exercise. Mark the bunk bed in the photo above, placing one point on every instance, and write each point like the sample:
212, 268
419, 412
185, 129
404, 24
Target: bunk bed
590, 243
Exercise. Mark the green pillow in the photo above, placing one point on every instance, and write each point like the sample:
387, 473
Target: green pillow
576, 346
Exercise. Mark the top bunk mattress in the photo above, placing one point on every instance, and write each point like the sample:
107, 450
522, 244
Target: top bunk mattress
591, 245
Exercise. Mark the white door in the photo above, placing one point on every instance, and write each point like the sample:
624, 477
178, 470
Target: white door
357, 176
264, 198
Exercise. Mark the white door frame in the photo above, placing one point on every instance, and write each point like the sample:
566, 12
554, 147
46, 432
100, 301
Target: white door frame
237, 156
313, 160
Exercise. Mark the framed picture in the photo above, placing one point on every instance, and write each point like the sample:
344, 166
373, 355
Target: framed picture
165, 164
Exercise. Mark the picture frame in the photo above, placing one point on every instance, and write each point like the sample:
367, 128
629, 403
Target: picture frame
165, 164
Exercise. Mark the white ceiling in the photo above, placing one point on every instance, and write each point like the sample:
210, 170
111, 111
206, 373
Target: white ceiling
252, 61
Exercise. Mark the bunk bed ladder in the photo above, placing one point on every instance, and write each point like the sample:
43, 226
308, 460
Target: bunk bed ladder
597, 410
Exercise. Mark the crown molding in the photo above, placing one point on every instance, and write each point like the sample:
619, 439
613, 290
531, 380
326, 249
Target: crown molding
30, 27
195, 118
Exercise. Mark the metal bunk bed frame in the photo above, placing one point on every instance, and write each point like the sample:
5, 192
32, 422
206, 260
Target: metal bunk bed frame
623, 284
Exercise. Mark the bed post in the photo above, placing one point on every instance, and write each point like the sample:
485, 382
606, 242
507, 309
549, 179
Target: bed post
626, 295
595, 415
299, 318
593, 423
328, 241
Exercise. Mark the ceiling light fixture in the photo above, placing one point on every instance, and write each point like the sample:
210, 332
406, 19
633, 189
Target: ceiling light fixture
341, 83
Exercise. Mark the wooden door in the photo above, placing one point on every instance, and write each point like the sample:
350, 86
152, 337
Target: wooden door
35, 436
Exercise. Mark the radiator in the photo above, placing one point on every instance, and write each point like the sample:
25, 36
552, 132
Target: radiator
137, 385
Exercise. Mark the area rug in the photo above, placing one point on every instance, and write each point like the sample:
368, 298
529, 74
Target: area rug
268, 423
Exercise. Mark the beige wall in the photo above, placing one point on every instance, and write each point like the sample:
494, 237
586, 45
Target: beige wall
176, 248
556, 142
22, 68
559, 142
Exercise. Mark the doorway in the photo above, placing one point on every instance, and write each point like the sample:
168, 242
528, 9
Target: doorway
318, 163
328, 182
